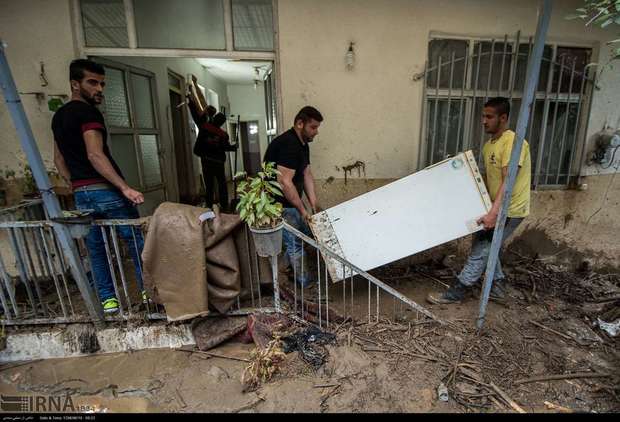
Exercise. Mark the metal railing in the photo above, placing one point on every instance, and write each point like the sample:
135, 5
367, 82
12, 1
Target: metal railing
359, 296
37, 287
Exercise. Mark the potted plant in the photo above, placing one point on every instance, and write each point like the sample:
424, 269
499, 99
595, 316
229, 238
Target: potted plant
258, 208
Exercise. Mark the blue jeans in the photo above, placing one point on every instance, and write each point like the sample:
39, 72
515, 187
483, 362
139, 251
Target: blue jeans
477, 261
294, 247
109, 204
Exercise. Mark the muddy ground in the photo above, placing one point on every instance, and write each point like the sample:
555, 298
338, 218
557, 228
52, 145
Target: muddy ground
393, 363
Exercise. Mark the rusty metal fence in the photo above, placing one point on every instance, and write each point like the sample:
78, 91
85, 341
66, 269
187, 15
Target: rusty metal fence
36, 286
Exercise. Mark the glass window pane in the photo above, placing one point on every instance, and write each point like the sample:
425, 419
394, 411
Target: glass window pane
489, 60
581, 57
521, 70
534, 130
104, 23
252, 24
444, 49
150, 160
559, 143
124, 153
115, 94
143, 101
189, 24
445, 136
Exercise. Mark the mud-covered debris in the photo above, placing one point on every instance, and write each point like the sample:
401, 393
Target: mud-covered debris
309, 343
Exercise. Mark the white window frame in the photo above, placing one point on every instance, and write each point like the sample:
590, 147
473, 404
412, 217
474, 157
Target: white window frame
133, 50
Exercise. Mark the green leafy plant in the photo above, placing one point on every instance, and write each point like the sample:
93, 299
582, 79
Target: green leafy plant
257, 205
601, 13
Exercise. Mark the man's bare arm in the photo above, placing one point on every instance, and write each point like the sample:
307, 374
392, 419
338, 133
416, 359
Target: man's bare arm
197, 97
310, 189
285, 179
61, 166
94, 150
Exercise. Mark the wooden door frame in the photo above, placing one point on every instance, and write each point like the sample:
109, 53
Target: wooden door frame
189, 159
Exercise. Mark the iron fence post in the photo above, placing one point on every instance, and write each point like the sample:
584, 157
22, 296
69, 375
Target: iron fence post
531, 81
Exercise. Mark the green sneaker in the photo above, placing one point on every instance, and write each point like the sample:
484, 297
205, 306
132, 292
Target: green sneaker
110, 305
145, 298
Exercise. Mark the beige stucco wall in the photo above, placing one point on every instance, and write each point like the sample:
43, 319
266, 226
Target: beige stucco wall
35, 31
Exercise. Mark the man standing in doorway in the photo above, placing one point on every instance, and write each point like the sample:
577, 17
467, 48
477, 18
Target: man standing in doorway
83, 159
291, 154
496, 154
211, 145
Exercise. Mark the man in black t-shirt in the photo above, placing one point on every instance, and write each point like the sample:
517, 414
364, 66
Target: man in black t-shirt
291, 153
83, 159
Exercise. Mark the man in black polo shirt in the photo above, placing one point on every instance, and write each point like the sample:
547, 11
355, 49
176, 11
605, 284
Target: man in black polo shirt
82, 156
291, 153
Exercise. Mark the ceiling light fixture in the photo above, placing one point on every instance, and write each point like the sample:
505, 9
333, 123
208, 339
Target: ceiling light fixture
257, 77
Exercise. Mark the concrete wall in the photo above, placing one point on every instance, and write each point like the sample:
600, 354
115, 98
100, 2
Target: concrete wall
373, 113
35, 31
182, 66
249, 103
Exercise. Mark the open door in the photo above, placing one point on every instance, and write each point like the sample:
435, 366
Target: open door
130, 113
250, 146
178, 115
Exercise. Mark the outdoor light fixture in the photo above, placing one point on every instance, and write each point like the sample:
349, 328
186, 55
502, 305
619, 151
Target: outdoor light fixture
349, 58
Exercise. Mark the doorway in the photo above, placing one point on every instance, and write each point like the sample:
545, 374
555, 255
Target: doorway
250, 146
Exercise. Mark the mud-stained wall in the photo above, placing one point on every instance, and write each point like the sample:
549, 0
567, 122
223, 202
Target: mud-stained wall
573, 226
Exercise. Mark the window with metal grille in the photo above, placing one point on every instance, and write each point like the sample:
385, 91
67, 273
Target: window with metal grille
461, 74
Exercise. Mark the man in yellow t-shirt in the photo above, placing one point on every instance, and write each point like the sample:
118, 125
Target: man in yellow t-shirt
496, 154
